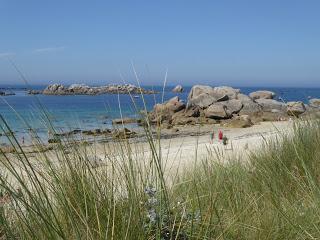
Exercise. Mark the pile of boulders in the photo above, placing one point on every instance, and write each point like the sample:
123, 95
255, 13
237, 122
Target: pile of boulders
228, 106
82, 89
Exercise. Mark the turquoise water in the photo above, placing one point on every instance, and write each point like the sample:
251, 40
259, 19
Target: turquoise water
90, 112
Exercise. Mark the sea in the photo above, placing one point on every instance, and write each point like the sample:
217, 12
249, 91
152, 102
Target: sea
65, 113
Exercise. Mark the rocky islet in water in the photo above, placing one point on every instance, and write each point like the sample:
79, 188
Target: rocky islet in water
82, 89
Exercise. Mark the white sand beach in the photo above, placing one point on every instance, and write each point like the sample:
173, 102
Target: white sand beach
187, 149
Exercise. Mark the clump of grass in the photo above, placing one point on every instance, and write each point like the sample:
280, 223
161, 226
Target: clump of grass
63, 194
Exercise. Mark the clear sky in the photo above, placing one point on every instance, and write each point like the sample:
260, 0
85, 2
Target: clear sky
238, 43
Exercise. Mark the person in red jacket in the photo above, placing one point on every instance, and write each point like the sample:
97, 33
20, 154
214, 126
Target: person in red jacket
220, 135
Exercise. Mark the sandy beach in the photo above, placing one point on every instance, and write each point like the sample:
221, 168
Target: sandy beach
192, 144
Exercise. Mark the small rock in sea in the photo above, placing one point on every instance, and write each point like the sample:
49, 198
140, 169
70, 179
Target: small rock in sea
177, 89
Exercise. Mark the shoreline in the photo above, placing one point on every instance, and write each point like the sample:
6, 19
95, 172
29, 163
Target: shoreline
185, 143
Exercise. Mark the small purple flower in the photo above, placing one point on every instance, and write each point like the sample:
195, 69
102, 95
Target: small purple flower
151, 191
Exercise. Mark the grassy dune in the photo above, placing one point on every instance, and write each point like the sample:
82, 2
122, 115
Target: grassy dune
275, 195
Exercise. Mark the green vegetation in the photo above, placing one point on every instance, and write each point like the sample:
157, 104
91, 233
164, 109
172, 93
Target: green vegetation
275, 195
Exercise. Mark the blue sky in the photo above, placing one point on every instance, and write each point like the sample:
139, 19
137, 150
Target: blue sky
238, 43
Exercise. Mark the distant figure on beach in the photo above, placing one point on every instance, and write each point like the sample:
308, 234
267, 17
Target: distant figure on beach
211, 137
225, 140
23, 140
220, 135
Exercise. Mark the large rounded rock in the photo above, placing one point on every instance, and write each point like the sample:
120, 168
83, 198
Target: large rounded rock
172, 105
177, 89
203, 96
223, 109
203, 100
233, 106
188, 116
295, 108
216, 112
315, 103
232, 93
196, 90
250, 107
262, 95
270, 105
242, 97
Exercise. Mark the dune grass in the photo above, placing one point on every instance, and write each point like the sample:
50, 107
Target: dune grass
63, 194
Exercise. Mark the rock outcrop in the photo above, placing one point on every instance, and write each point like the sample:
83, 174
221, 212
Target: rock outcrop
216, 112
177, 89
226, 105
250, 107
203, 96
82, 89
232, 93
173, 105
